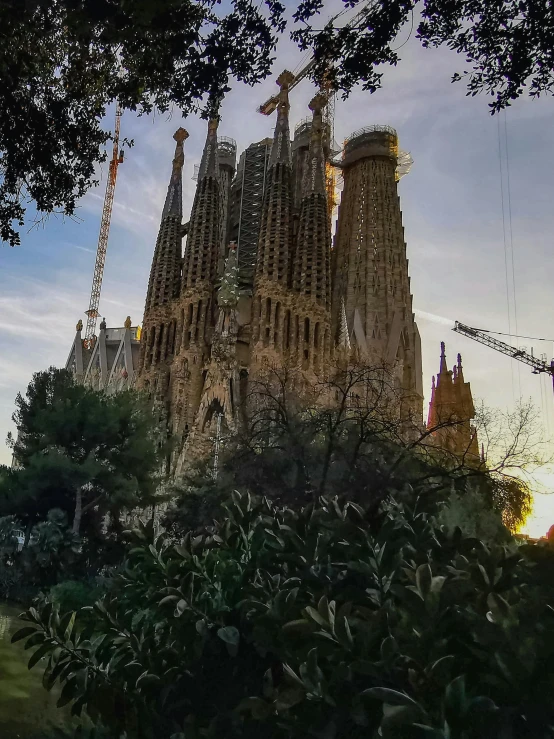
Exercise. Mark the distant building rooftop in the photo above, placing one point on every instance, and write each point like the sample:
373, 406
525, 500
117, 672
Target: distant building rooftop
111, 363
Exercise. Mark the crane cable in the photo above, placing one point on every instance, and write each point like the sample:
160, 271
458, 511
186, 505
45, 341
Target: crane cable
515, 336
511, 236
505, 245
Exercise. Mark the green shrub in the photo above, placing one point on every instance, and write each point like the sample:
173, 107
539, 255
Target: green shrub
471, 512
325, 622
72, 595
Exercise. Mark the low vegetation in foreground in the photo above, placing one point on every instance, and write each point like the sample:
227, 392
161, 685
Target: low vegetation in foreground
322, 622
358, 586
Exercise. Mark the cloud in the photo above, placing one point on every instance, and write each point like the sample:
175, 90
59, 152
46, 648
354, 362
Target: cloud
81, 248
426, 316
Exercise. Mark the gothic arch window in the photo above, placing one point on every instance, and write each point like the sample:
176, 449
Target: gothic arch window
286, 330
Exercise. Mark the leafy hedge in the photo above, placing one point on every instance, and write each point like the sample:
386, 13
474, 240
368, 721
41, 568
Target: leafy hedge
314, 623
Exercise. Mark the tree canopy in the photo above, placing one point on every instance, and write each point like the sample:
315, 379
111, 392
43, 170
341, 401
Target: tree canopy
79, 450
62, 62
345, 434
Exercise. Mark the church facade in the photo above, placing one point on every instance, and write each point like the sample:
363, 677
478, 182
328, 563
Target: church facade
254, 279
230, 303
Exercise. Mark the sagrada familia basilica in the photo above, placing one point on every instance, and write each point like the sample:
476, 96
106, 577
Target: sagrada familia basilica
260, 281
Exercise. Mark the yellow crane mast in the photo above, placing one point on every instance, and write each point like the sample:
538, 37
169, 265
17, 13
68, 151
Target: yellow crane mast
92, 312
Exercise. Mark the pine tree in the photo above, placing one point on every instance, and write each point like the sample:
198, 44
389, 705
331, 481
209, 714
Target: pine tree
81, 451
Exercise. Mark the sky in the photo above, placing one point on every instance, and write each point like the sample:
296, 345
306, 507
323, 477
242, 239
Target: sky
477, 210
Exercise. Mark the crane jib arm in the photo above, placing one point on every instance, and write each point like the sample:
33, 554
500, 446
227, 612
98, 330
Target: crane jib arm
116, 160
483, 337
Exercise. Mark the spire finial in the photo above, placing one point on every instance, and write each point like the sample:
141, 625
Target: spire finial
180, 137
79, 326
443, 367
317, 103
460, 369
127, 323
284, 80
173, 201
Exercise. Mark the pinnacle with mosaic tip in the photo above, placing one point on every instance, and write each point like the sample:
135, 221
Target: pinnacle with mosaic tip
180, 135
285, 79
317, 103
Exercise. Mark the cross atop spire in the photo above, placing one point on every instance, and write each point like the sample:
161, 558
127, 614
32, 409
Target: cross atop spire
174, 198
280, 151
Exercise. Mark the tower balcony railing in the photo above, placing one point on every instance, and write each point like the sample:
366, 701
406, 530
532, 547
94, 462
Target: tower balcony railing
376, 128
225, 142
304, 125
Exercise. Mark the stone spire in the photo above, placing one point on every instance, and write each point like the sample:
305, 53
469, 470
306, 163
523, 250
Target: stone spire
163, 285
276, 224
451, 410
344, 335
443, 368
270, 319
201, 253
311, 264
174, 198
460, 369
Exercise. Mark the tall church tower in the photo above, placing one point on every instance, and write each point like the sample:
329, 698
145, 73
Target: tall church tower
195, 309
311, 278
271, 276
370, 268
158, 334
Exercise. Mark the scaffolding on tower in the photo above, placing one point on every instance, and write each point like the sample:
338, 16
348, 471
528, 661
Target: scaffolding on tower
92, 312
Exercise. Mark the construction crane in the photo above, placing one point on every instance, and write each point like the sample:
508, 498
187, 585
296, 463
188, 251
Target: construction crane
92, 312
482, 336
271, 104
328, 121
